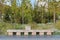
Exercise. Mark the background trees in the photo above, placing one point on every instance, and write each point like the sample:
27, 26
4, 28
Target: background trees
25, 13
11, 16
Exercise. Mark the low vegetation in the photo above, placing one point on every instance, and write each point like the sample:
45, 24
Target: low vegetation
57, 25
16, 16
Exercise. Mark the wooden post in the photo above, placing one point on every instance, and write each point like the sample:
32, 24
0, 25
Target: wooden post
10, 33
33, 33
26, 33
49, 33
18, 34
41, 33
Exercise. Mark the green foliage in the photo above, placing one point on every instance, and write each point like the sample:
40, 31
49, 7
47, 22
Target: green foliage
25, 13
5, 26
26, 10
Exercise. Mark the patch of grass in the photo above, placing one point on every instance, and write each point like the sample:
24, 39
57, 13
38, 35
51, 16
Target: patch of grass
57, 25
41, 26
5, 26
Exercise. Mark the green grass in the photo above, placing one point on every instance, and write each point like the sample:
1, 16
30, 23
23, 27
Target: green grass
57, 25
42, 26
5, 26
